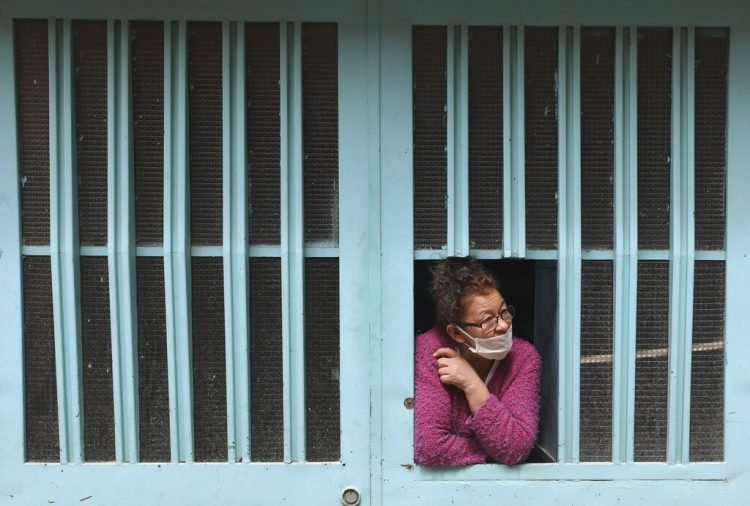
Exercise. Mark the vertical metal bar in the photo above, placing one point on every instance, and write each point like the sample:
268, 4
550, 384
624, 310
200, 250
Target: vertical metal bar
569, 231
509, 44
514, 153
235, 243
296, 260
676, 249
458, 140
292, 243
519, 176
681, 246
688, 183
285, 32
564, 386
121, 242
176, 242
64, 241
462, 142
626, 242
450, 138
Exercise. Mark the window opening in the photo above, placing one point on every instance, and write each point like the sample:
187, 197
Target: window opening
529, 286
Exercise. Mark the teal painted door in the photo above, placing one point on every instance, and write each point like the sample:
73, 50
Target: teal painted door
532, 138
184, 256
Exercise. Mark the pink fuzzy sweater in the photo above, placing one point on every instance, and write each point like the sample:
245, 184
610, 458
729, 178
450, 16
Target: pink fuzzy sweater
504, 428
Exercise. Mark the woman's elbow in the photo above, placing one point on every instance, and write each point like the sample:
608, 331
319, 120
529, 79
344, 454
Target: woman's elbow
430, 457
519, 447
427, 451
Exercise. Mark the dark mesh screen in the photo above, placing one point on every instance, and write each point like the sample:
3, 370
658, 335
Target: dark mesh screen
40, 383
320, 131
429, 56
597, 137
711, 67
209, 363
541, 137
322, 359
96, 338
90, 60
206, 130
486, 137
596, 361
651, 365
32, 102
266, 375
654, 136
153, 387
148, 130
263, 132
707, 384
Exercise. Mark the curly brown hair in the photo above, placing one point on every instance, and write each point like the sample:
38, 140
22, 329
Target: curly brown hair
452, 280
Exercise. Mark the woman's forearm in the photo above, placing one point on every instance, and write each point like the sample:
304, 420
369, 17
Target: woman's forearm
476, 394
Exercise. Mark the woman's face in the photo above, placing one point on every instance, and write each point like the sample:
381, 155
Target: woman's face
476, 309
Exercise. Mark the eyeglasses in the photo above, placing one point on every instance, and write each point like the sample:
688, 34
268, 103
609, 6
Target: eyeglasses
491, 322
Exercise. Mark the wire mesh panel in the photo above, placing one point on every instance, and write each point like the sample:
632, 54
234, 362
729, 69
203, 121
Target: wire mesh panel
597, 299
90, 60
597, 137
209, 363
654, 136
266, 373
96, 342
486, 137
707, 370
32, 106
541, 137
711, 67
652, 361
153, 386
147, 39
40, 383
429, 56
263, 132
206, 130
323, 427
320, 131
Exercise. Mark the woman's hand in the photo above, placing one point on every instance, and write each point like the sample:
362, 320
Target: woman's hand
454, 370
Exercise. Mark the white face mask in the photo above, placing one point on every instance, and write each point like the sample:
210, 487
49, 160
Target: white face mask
492, 348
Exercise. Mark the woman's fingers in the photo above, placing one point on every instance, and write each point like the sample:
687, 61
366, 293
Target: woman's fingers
447, 372
445, 353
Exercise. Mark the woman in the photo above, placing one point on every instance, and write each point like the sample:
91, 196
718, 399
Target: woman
476, 386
